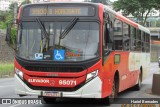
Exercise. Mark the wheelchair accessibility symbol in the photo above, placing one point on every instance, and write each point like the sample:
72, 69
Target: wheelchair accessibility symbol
59, 55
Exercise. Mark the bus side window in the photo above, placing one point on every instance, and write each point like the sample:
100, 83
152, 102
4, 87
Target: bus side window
138, 41
118, 36
143, 41
133, 38
126, 37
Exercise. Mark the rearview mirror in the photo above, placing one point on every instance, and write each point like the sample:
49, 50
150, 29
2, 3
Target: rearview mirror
11, 36
8, 34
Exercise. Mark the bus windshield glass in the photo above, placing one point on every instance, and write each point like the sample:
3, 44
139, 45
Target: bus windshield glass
80, 43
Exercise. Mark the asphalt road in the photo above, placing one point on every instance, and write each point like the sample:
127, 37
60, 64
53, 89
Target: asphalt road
7, 91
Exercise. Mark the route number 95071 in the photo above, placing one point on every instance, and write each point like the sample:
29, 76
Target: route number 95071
67, 82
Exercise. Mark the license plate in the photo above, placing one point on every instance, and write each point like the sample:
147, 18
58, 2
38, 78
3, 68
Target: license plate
51, 94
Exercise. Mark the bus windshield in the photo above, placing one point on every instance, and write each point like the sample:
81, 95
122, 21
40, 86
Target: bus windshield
80, 43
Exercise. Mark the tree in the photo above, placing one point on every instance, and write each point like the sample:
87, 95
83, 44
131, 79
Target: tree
13, 10
8, 18
25, 2
140, 9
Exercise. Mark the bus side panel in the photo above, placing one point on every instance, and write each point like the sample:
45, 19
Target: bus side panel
134, 67
138, 61
110, 67
122, 68
145, 62
107, 73
128, 68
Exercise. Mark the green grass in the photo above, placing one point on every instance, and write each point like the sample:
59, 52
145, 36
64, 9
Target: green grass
7, 68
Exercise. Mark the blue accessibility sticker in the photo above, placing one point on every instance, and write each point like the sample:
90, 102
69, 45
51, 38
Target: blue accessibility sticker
59, 55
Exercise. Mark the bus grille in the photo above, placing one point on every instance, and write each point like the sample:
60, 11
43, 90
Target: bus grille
54, 69
42, 88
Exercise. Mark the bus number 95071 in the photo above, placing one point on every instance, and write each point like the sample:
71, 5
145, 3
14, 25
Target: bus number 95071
67, 82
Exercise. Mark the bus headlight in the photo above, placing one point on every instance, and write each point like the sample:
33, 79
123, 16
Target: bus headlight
92, 75
19, 73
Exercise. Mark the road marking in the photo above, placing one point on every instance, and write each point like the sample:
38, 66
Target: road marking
7, 86
14, 105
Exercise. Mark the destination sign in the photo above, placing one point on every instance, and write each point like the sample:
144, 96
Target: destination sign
59, 11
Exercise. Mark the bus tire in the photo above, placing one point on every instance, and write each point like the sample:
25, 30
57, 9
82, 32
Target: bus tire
110, 99
139, 84
49, 100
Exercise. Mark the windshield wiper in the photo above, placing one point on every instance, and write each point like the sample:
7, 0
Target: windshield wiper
42, 28
45, 34
68, 28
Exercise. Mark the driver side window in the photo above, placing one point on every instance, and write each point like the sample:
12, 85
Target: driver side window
108, 36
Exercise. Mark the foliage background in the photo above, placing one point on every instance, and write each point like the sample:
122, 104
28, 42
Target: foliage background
7, 18
6, 53
140, 9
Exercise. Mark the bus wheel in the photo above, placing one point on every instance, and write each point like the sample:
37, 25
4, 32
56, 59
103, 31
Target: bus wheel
114, 91
49, 100
138, 85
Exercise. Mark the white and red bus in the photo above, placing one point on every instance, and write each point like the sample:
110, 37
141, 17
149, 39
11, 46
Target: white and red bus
78, 50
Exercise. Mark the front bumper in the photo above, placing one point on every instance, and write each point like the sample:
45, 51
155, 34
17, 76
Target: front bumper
92, 89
